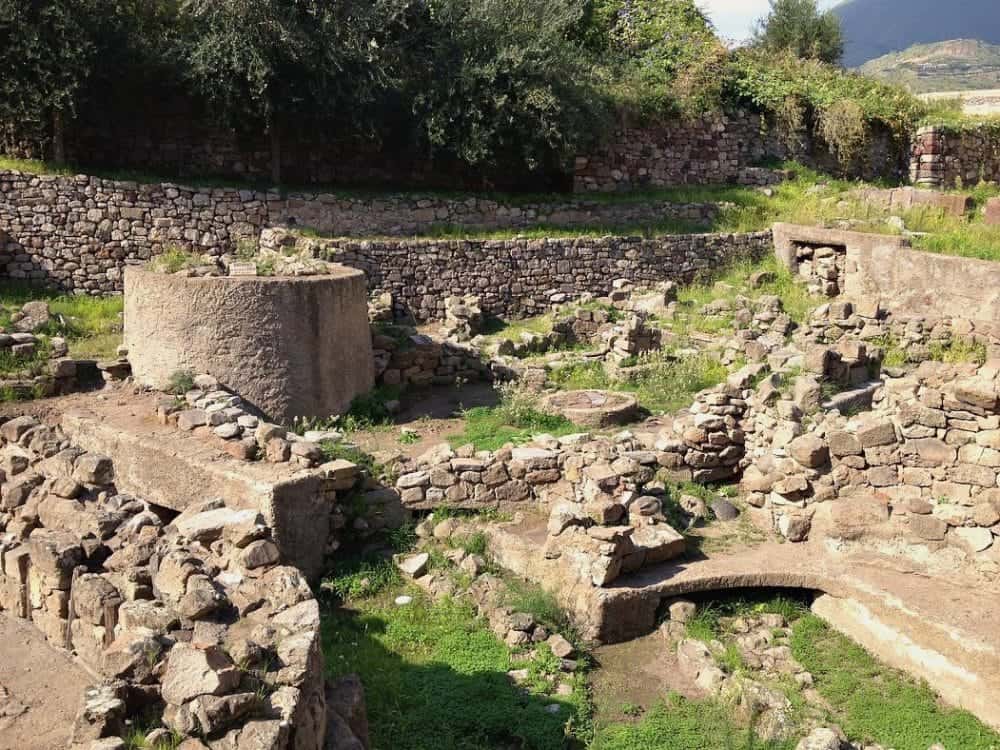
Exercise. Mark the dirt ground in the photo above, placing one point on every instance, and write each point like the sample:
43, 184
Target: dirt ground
40, 689
433, 413
630, 678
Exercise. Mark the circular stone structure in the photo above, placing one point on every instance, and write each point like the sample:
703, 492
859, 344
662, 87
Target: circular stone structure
289, 346
592, 408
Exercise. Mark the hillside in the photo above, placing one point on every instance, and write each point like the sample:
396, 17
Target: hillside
956, 65
874, 28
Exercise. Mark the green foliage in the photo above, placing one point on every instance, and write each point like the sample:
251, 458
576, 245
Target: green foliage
799, 27
267, 63
515, 419
362, 577
682, 723
369, 410
91, 325
47, 52
664, 56
435, 676
346, 452
173, 259
532, 599
181, 381
662, 383
878, 704
516, 87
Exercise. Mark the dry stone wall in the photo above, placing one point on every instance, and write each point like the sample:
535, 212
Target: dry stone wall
78, 233
523, 277
716, 149
944, 158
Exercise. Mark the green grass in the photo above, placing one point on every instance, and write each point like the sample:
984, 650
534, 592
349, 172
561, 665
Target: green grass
489, 428
666, 386
524, 596
680, 723
877, 704
436, 677
516, 419
174, 259
91, 325
734, 281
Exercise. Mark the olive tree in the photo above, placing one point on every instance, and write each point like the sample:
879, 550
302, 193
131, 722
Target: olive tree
799, 27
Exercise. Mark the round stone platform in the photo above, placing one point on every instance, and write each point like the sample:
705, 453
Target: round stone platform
289, 346
592, 408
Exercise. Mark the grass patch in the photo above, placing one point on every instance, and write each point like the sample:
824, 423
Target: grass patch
877, 704
436, 677
681, 723
516, 419
92, 326
532, 599
174, 259
735, 282
665, 386
33, 166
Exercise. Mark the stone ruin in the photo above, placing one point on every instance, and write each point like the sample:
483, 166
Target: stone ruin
815, 427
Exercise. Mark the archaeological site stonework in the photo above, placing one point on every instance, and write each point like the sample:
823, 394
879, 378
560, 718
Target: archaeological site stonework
523, 277
944, 158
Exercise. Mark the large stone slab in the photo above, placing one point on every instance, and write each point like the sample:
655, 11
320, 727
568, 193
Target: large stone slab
176, 469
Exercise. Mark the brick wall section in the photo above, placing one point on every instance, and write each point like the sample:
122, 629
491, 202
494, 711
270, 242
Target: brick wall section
942, 158
523, 277
79, 232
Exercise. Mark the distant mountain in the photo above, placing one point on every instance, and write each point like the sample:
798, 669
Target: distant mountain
873, 28
956, 65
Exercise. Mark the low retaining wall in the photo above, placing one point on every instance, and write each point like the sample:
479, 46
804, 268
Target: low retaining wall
292, 347
922, 283
79, 233
523, 277
946, 158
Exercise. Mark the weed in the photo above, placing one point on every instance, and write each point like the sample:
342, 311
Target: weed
180, 382
173, 259
347, 452
362, 577
664, 383
436, 676
516, 419
532, 599
409, 437
682, 723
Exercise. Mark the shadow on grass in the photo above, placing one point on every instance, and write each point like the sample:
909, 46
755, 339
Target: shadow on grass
436, 679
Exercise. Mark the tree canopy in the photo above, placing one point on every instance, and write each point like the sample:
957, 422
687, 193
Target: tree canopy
799, 27
510, 83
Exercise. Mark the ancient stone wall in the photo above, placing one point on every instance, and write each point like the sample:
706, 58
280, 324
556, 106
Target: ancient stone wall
720, 148
883, 268
523, 277
945, 158
80, 232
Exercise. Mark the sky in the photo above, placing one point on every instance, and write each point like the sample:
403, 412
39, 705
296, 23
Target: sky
735, 18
